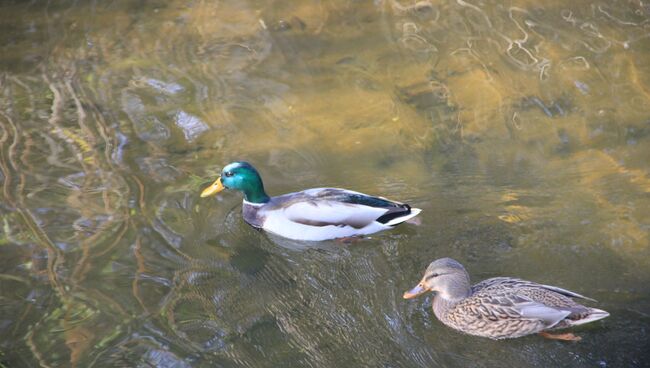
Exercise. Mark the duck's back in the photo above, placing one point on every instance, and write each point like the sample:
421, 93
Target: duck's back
552, 296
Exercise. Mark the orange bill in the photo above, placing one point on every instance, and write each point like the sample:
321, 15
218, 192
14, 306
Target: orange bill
417, 290
213, 189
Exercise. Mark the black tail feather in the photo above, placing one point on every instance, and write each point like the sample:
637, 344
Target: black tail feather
394, 213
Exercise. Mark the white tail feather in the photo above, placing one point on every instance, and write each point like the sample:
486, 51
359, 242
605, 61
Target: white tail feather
594, 315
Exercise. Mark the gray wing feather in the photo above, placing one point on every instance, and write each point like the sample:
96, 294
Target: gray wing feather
549, 315
333, 206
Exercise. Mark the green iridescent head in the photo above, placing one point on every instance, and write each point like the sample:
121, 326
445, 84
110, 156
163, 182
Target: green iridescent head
240, 176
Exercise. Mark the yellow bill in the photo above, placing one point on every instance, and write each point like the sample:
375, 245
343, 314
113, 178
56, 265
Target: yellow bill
213, 189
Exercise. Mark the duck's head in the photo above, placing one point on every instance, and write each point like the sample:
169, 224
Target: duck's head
240, 176
446, 277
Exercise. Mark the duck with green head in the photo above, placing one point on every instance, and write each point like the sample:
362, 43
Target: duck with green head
312, 214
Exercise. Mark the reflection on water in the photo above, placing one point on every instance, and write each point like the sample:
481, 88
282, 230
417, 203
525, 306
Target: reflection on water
521, 130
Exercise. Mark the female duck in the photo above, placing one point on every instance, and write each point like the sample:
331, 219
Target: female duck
313, 214
501, 307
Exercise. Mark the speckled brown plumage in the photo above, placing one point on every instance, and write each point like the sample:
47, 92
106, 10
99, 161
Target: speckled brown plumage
500, 307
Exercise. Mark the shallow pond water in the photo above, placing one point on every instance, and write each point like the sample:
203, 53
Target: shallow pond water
522, 130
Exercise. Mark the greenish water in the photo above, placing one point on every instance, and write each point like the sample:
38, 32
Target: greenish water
522, 130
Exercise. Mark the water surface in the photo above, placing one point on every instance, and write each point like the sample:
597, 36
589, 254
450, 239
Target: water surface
521, 130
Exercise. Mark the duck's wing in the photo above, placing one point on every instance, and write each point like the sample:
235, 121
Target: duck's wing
341, 207
514, 283
520, 299
509, 304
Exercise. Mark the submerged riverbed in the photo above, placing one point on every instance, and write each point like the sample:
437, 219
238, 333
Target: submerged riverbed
521, 130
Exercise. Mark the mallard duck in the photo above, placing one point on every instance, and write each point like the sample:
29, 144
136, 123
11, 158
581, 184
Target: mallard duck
501, 307
313, 214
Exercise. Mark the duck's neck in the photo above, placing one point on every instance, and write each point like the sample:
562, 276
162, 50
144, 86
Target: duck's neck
442, 306
254, 192
447, 298
255, 197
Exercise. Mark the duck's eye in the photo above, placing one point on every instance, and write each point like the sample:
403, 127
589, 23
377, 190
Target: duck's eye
433, 275
228, 174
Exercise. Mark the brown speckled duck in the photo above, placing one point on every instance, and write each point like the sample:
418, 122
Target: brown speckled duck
501, 307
